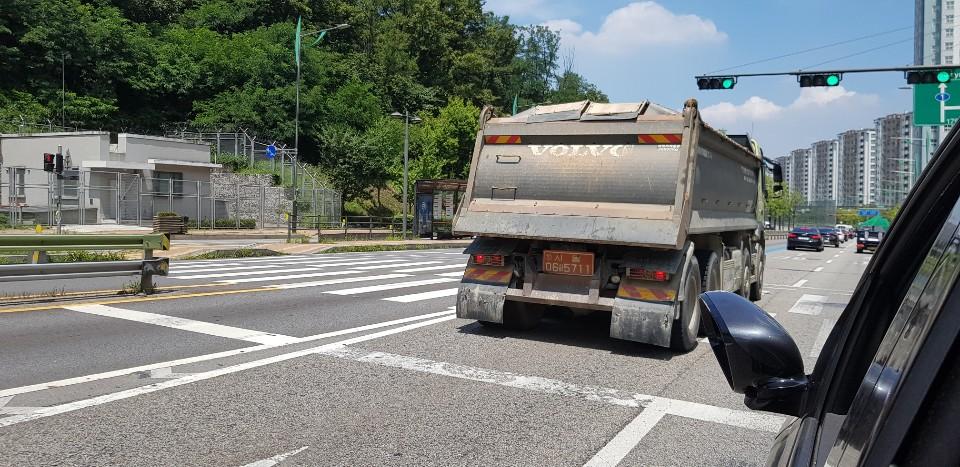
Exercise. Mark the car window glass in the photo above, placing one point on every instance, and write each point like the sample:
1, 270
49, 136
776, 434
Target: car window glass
893, 360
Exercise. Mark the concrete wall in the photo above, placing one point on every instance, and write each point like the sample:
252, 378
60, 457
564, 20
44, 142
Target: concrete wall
139, 148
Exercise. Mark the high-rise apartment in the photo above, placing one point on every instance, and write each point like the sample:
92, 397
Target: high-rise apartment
823, 162
857, 167
800, 179
896, 149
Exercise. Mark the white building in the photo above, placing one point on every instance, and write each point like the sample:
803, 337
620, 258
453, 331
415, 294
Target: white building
119, 174
856, 180
823, 169
895, 158
800, 173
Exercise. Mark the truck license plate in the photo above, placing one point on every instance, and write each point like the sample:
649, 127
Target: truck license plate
568, 262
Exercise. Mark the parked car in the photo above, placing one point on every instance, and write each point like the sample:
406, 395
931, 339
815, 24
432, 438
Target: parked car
885, 389
868, 240
805, 237
830, 236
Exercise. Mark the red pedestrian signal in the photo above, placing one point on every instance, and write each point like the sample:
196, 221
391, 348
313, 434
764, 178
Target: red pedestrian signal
49, 162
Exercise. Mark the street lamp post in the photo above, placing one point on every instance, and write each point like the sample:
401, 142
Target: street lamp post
320, 33
408, 119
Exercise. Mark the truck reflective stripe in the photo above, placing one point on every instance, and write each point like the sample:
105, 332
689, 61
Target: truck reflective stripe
660, 139
493, 275
637, 292
502, 139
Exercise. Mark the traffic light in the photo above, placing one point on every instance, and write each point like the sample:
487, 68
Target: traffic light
929, 76
48, 162
819, 80
58, 163
718, 82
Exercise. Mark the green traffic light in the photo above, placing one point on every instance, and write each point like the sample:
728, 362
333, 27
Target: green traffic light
833, 80
943, 77
728, 83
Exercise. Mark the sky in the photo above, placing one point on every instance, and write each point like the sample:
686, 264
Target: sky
651, 50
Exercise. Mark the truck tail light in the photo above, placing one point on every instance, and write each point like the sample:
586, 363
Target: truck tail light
646, 275
860, 245
488, 260
791, 235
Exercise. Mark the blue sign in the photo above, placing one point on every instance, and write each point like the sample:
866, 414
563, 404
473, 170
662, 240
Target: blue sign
868, 212
942, 97
271, 151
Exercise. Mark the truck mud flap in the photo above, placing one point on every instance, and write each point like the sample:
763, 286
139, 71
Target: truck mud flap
482, 293
640, 321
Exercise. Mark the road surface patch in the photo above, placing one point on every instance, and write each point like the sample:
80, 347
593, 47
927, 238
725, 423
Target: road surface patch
433, 268
423, 296
385, 266
276, 459
343, 280
809, 304
825, 328
284, 277
389, 286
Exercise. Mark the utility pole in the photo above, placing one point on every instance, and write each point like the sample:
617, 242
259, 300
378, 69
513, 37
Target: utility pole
63, 89
407, 120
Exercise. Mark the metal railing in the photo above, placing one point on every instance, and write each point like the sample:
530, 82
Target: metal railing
40, 245
351, 226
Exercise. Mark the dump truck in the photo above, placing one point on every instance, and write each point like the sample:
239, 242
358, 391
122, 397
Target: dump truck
627, 209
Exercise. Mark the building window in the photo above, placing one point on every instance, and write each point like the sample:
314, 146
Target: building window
162, 182
20, 181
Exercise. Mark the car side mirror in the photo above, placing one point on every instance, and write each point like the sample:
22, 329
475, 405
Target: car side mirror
757, 355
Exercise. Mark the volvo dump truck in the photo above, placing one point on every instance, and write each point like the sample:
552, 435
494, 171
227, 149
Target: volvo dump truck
626, 209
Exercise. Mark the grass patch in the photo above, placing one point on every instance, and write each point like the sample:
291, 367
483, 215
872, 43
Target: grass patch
134, 287
81, 256
230, 254
369, 248
28, 295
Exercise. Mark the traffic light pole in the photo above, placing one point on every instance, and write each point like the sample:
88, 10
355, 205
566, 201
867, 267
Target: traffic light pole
904, 69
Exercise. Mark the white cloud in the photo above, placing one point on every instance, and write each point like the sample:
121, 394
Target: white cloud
639, 24
815, 114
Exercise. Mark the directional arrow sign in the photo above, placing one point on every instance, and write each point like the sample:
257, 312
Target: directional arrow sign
271, 151
931, 102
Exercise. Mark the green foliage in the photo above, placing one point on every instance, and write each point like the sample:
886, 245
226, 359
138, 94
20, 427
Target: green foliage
167, 214
81, 256
849, 217
230, 223
238, 253
4, 220
890, 213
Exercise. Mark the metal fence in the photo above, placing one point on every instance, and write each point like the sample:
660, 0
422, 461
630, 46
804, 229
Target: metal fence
98, 197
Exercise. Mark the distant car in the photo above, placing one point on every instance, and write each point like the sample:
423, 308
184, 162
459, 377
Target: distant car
868, 240
767, 225
885, 389
830, 236
805, 237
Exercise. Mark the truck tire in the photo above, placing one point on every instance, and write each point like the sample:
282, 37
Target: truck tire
756, 288
685, 328
521, 316
712, 279
744, 290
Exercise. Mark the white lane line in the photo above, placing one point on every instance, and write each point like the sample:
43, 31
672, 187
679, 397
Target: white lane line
799, 283
276, 459
177, 267
99, 400
203, 358
234, 272
389, 286
174, 270
836, 255
287, 276
450, 274
829, 261
628, 438
434, 268
818, 269
185, 324
423, 296
385, 266
822, 336
345, 280
809, 305
165, 373
739, 418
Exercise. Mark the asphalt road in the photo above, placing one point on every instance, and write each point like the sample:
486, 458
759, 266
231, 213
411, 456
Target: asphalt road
357, 359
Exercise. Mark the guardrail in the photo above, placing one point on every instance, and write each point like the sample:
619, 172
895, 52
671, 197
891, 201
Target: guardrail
40, 245
352, 225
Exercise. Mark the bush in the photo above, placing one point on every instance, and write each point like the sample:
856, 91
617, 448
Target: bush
167, 214
81, 256
4, 220
230, 223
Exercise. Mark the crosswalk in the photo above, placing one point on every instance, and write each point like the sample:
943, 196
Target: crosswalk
399, 277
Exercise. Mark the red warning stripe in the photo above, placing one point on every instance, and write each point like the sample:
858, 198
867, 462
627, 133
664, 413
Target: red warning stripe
502, 139
660, 139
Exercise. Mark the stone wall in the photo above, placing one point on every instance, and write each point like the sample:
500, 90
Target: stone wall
256, 194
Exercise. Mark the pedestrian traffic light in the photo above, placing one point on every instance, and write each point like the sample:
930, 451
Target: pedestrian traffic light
48, 162
716, 82
819, 80
58, 163
929, 76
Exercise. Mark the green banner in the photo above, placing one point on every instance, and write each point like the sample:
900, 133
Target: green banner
937, 104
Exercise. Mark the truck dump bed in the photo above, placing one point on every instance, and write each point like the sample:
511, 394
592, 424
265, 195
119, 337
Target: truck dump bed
631, 174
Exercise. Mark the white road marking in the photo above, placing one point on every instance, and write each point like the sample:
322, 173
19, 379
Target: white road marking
450, 274
178, 267
99, 400
739, 418
799, 283
276, 459
165, 373
385, 266
287, 277
389, 286
235, 272
434, 268
809, 305
344, 280
822, 336
628, 438
818, 269
184, 324
4, 410
836, 255
175, 270
207, 357
423, 296
829, 261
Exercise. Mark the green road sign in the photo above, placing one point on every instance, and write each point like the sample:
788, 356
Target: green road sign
937, 104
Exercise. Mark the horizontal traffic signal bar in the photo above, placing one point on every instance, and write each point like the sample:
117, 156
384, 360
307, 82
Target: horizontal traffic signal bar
914, 74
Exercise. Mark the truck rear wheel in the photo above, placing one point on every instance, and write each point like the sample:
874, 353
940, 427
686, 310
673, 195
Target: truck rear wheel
756, 288
712, 279
521, 316
685, 328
